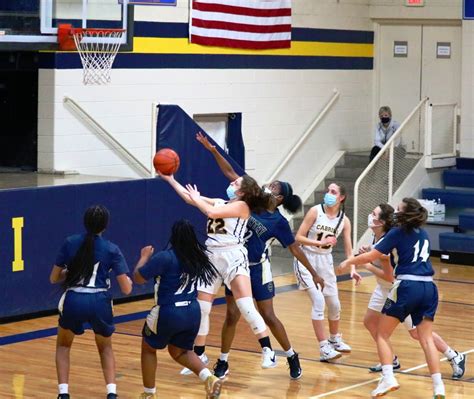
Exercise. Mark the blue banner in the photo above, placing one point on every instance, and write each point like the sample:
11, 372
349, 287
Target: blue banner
151, 2
468, 9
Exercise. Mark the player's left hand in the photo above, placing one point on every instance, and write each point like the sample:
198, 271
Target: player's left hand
205, 142
193, 191
356, 277
147, 251
167, 178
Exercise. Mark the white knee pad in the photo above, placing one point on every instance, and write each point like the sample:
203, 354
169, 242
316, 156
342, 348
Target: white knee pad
317, 303
205, 312
251, 315
334, 307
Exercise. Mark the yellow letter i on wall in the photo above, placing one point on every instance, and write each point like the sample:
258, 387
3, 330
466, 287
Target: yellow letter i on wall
17, 265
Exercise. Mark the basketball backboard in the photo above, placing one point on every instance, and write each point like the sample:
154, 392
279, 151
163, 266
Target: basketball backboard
33, 24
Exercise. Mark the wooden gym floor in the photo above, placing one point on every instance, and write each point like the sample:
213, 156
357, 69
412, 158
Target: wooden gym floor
27, 368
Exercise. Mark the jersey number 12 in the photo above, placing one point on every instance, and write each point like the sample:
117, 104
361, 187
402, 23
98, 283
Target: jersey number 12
424, 254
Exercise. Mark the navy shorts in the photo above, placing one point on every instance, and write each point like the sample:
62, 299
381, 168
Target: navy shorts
261, 290
177, 325
96, 309
418, 299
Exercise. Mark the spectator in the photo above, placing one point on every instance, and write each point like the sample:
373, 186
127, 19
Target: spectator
385, 129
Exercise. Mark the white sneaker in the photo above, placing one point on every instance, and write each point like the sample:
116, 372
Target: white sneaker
203, 358
339, 345
327, 352
268, 358
385, 386
458, 363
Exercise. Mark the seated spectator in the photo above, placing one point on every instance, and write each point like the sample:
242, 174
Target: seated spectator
385, 129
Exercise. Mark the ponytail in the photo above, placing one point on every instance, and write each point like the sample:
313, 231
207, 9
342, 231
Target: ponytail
291, 202
412, 216
81, 266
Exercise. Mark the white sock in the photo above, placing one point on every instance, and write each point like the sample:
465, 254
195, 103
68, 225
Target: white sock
204, 374
323, 343
224, 356
333, 337
450, 354
149, 390
290, 352
438, 385
387, 371
63, 388
111, 388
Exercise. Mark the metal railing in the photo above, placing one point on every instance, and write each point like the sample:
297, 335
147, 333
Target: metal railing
107, 138
440, 131
304, 136
387, 171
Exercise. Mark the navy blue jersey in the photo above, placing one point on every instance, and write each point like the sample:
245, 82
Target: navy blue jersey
107, 258
166, 269
263, 227
412, 249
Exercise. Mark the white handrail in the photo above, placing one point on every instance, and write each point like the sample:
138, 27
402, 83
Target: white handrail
109, 139
388, 145
304, 136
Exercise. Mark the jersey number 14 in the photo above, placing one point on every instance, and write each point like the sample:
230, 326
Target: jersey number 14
424, 254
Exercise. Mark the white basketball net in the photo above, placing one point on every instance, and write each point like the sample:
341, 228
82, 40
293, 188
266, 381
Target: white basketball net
97, 49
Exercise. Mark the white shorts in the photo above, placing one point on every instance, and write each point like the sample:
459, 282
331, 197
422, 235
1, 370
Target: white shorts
377, 301
324, 266
229, 262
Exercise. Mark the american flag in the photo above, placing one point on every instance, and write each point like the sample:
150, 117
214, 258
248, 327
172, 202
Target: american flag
247, 24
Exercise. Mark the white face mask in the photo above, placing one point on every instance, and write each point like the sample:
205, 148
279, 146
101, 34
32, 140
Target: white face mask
370, 221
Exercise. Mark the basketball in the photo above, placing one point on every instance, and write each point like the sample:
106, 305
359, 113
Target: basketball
166, 161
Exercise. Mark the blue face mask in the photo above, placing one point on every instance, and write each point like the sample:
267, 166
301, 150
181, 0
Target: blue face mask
330, 199
231, 192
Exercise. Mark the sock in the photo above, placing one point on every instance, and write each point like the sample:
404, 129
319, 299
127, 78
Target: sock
199, 350
265, 342
63, 388
290, 352
204, 374
323, 343
437, 384
387, 371
450, 354
149, 390
333, 337
111, 388
224, 357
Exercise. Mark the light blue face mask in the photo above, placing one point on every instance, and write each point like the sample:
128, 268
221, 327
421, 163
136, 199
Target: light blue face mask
231, 192
330, 199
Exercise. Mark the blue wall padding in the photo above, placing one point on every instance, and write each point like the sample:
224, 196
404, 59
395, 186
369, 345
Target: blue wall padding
465, 163
142, 213
466, 221
456, 242
235, 141
450, 197
459, 178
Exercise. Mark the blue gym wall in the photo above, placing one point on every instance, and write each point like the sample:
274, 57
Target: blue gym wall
142, 213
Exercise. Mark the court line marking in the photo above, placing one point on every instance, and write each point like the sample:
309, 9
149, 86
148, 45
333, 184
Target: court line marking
360, 384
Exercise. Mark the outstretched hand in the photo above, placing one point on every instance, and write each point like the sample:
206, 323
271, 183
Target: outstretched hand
146, 252
193, 191
167, 178
204, 141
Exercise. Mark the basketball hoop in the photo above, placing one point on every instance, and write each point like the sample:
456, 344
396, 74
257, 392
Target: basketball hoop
97, 49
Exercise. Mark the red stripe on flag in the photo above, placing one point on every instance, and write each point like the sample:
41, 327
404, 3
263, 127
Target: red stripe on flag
201, 23
251, 12
244, 44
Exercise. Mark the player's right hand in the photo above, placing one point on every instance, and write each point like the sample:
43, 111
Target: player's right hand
364, 248
204, 141
319, 282
167, 178
331, 240
147, 251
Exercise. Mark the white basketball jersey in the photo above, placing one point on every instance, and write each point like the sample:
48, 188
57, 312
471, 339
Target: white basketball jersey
324, 227
224, 232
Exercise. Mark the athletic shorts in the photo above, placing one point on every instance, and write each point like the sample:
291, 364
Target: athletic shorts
418, 299
378, 299
177, 324
262, 282
229, 264
77, 308
323, 265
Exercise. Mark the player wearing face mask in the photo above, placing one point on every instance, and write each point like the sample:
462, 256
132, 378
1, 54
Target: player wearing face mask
385, 129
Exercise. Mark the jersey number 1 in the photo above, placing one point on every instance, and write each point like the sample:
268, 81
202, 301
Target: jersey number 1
424, 254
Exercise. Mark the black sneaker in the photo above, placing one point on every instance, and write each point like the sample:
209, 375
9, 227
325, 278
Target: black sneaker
221, 368
378, 367
294, 365
112, 396
64, 396
458, 363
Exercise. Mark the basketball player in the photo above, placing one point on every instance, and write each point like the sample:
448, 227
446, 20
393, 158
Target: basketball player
318, 234
83, 265
226, 228
263, 228
380, 221
412, 294
175, 318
